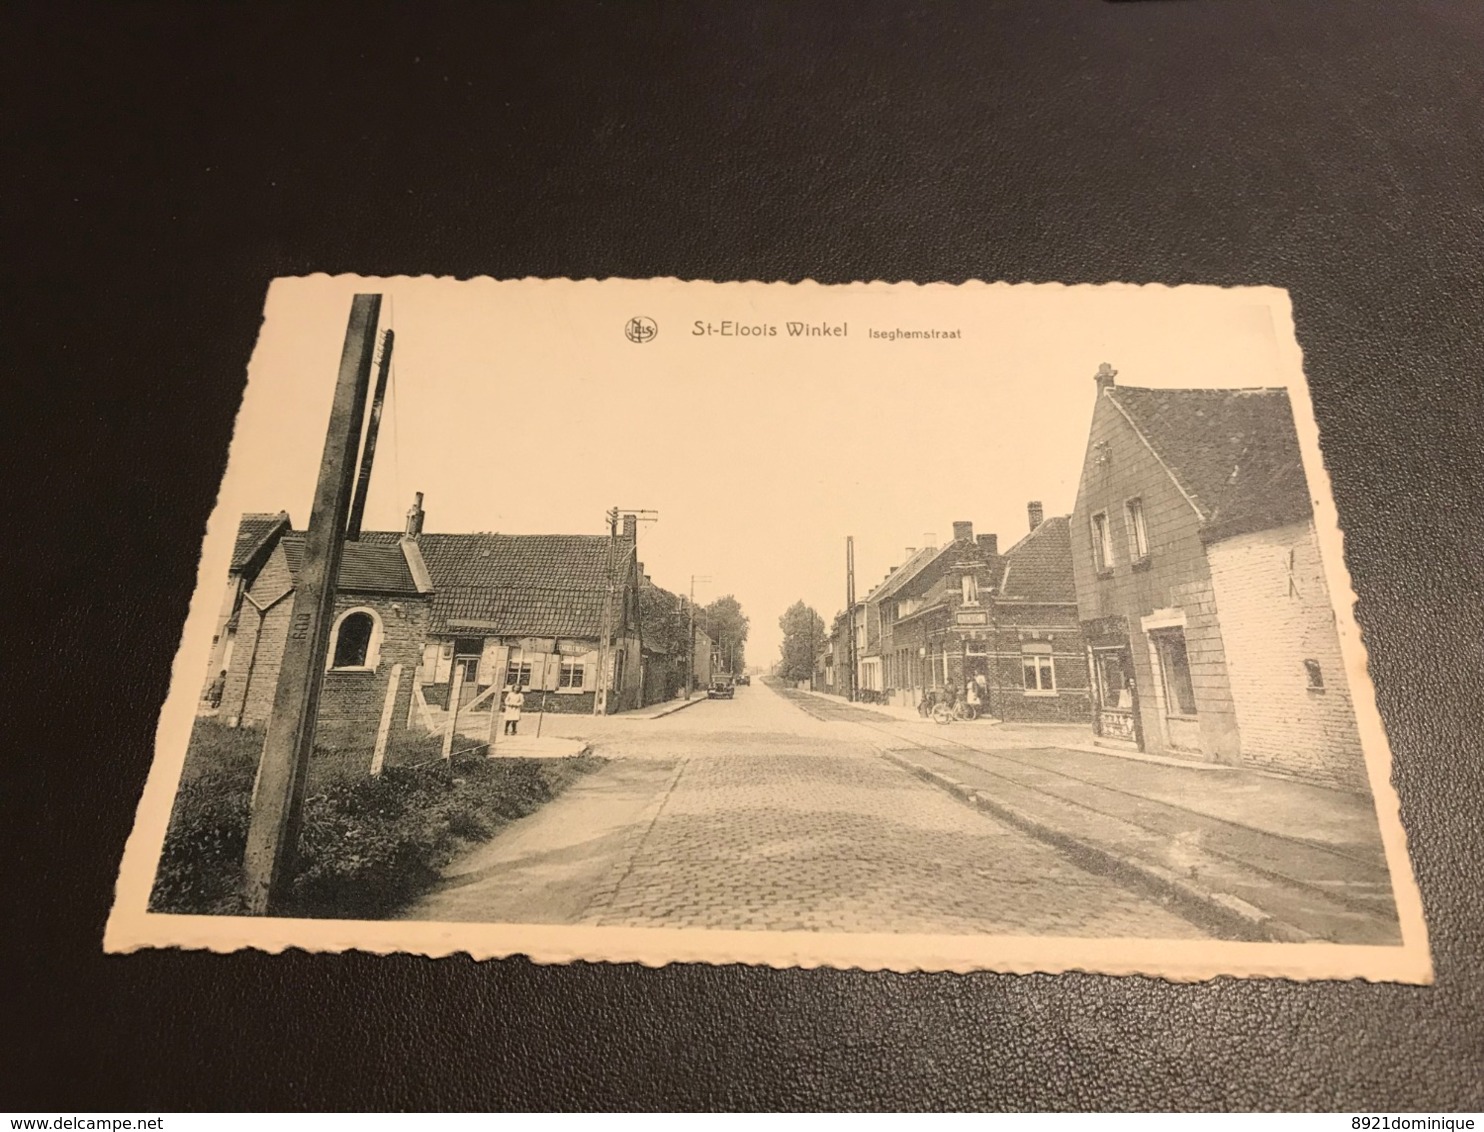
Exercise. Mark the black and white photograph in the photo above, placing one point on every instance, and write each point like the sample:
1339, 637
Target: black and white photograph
873, 625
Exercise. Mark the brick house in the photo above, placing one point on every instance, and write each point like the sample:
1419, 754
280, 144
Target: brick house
1037, 658
381, 612
1007, 622
529, 610
1200, 587
500, 609
870, 679
890, 662
833, 675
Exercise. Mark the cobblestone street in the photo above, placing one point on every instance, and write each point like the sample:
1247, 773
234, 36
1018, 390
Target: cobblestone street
753, 814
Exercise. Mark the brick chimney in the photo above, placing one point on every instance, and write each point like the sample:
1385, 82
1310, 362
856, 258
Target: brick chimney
1034, 513
1104, 377
630, 527
989, 544
963, 531
415, 518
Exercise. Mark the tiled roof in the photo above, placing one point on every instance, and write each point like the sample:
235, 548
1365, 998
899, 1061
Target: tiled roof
904, 573
519, 585
1039, 566
252, 529
1234, 452
554, 612
363, 569
516, 585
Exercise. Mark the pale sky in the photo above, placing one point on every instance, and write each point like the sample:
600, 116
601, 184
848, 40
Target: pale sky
521, 407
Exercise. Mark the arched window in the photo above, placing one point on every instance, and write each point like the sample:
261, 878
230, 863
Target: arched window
356, 642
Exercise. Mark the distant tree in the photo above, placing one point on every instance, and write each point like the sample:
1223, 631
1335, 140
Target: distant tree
726, 625
803, 637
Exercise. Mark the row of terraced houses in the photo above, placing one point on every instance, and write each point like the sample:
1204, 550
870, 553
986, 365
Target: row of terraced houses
1180, 610
573, 620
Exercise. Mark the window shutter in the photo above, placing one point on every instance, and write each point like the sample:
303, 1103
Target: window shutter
494, 662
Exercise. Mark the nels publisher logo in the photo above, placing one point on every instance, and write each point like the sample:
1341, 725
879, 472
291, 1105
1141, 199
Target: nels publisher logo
640, 329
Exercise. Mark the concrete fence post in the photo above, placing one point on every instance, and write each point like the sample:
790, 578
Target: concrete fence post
378, 757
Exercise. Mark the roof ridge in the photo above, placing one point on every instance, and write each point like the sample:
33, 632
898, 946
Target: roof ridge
498, 534
1115, 389
905, 572
1025, 538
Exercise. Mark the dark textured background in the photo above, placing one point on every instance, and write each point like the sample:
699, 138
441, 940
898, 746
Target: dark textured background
165, 162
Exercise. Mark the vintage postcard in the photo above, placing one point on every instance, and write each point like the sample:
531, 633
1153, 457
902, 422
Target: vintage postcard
918, 627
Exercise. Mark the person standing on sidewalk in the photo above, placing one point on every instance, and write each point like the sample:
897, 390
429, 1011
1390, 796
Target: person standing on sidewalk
515, 699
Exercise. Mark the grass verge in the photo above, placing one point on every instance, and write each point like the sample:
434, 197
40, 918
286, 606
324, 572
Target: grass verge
368, 845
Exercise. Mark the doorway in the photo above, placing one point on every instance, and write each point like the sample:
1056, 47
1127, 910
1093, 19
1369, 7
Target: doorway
466, 654
1181, 717
1117, 693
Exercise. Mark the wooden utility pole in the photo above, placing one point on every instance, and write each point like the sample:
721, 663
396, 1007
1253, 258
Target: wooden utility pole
368, 450
600, 696
278, 795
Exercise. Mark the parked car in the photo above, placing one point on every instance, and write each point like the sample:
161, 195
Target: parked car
743, 678
721, 688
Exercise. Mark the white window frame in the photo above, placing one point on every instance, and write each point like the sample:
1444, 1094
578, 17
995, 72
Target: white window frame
969, 589
1138, 528
373, 645
1102, 541
1044, 666
572, 668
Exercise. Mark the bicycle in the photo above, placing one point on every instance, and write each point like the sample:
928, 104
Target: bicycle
934, 707
965, 711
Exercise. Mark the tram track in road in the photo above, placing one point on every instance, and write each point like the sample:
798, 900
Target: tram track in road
1255, 883
1170, 845
1302, 843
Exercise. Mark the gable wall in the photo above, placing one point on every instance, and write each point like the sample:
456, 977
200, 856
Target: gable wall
1176, 577
257, 653
350, 702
